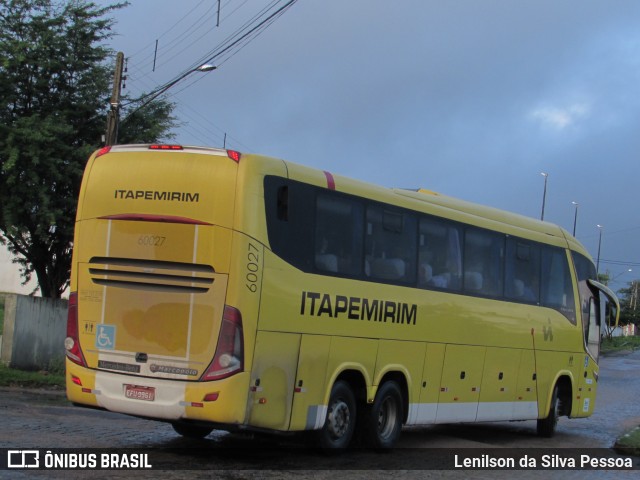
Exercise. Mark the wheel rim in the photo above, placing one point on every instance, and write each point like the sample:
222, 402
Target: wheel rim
339, 419
387, 417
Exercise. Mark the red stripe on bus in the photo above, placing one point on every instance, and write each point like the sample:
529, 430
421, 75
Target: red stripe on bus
145, 217
331, 183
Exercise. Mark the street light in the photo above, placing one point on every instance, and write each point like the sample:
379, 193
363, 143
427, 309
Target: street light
202, 68
206, 68
575, 218
600, 227
544, 195
150, 97
619, 275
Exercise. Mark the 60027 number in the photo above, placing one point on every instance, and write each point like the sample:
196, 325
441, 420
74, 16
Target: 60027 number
253, 267
151, 240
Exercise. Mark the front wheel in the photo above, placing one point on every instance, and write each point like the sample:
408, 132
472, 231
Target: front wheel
341, 418
384, 419
547, 425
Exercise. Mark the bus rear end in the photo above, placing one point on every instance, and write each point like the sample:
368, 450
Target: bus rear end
150, 331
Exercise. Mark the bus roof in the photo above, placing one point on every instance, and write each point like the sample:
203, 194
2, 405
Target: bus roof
419, 199
438, 204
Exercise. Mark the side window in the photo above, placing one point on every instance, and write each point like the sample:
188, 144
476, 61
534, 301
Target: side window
289, 225
483, 262
556, 286
439, 255
338, 235
390, 245
522, 271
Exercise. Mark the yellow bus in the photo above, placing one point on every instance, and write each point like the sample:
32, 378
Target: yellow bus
214, 289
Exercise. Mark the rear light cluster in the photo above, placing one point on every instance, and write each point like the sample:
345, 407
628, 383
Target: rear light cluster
229, 357
166, 147
72, 342
103, 151
234, 155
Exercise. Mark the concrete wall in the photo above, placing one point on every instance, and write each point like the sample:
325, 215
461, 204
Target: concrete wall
34, 331
10, 279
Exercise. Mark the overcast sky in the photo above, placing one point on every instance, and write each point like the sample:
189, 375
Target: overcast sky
470, 98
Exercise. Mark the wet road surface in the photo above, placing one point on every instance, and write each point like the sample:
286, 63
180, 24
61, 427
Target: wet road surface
39, 419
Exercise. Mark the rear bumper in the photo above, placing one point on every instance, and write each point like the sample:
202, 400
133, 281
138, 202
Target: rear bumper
173, 400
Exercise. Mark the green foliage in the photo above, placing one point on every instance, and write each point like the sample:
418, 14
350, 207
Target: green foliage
629, 443
616, 344
11, 377
630, 304
55, 72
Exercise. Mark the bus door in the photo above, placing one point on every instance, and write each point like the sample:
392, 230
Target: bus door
600, 312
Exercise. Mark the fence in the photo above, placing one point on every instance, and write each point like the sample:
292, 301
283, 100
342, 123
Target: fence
34, 332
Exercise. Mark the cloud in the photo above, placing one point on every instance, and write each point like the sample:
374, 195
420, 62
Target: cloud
561, 118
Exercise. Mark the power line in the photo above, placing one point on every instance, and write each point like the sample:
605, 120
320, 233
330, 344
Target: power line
623, 263
215, 53
168, 30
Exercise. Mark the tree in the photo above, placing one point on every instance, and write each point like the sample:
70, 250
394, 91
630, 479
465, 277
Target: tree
630, 303
55, 71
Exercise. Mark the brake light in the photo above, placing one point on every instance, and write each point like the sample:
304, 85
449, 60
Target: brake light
72, 343
234, 155
166, 147
229, 357
103, 150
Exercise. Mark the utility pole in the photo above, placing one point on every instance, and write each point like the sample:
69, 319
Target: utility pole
111, 136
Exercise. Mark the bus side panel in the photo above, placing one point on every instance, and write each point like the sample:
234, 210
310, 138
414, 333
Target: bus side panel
460, 385
230, 399
356, 354
550, 366
586, 397
526, 405
406, 358
425, 412
272, 379
309, 410
499, 380
245, 290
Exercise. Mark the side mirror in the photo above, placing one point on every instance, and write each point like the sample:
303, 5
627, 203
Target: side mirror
612, 307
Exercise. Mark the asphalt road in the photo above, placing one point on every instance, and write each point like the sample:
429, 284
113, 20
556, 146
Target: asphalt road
43, 419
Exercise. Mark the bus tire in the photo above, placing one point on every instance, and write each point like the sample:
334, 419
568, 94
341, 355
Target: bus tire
191, 431
547, 426
383, 422
340, 422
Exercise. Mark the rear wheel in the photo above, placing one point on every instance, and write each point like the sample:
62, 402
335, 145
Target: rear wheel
384, 419
341, 418
547, 426
191, 431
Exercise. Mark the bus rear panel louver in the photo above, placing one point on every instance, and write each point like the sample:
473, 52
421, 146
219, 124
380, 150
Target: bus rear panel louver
151, 275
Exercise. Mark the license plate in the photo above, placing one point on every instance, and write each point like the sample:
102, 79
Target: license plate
139, 392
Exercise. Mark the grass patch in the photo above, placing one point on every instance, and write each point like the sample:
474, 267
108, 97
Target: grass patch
617, 344
629, 444
11, 377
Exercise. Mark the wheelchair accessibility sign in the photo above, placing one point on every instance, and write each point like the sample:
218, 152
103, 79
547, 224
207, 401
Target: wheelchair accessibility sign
106, 337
